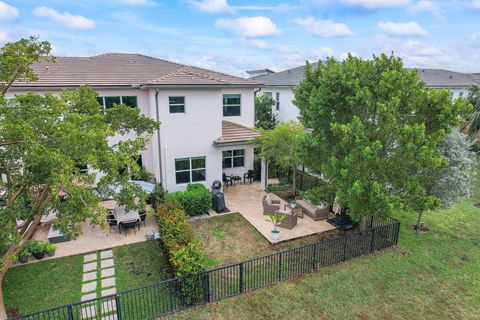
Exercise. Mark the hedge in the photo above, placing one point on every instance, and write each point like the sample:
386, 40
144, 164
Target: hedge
195, 201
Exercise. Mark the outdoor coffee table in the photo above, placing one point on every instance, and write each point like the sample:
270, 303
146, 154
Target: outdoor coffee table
297, 210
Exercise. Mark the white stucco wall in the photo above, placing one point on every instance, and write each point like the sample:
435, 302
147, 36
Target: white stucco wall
288, 111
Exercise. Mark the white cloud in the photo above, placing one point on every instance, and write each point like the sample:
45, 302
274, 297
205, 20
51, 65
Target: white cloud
428, 5
375, 4
411, 28
137, 2
282, 7
475, 4
212, 6
256, 43
66, 19
7, 12
417, 48
324, 28
250, 27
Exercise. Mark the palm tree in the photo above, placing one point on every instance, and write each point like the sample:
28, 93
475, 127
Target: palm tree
471, 127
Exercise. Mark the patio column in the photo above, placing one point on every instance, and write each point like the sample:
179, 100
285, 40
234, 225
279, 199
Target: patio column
264, 175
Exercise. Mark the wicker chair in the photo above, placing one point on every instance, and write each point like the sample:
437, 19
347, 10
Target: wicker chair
290, 220
270, 207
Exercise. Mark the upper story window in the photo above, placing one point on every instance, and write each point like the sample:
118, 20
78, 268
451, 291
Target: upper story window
460, 94
176, 104
231, 105
233, 158
190, 170
268, 94
108, 101
277, 100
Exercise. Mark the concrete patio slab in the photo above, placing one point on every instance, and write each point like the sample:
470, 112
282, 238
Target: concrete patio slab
110, 272
247, 199
90, 257
89, 287
88, 312
108, 282
88, 296
89, 266
109, 306
110, 317
106, 263
108, 292
89, 276
106, 254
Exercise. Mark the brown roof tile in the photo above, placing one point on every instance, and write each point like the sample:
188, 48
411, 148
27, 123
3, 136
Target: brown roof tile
235, 133
121, 69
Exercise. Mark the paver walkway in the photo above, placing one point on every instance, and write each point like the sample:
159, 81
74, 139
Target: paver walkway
98, 281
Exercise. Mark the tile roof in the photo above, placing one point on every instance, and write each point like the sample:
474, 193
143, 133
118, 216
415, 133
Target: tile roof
235, 133
121, 69
432, 77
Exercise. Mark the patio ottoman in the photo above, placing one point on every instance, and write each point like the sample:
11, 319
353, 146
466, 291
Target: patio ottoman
56, 236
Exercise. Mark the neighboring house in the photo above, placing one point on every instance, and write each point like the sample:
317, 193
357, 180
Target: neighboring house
279, 86
206, 117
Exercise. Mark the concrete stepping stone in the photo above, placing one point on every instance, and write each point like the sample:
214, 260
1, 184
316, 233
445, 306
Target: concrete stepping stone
88, 312
109, 306
90, 257
89, 296
89, 266
108, 292
106, 254
89, 276
108, 282
110, 317
110, 272
89, 286
106, 263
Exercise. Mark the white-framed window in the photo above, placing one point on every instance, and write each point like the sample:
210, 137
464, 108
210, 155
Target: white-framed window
233, 158
190, 170
108, 101
176, 104
460, 94
231, 105
277, 100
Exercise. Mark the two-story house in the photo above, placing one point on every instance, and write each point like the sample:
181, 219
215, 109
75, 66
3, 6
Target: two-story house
206, 117
279, 85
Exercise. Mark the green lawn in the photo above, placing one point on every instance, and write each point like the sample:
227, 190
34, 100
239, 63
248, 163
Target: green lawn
433, 275
42, 285
139, 264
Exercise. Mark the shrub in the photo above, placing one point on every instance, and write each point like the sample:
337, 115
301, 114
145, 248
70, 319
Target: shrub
35, 246
176, 231
195, 201
157, 196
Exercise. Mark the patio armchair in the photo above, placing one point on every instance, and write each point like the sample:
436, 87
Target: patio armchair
314, 212
143, 217
226, 180
250, 176
290, 220
130, 224
270, 206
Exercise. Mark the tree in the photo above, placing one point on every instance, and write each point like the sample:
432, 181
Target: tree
281, 146
46, 140
375, 127
264, 116
471, 126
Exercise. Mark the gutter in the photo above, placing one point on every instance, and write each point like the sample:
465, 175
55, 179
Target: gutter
158, 139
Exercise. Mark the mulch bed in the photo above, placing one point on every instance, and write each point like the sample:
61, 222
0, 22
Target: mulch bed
477, 204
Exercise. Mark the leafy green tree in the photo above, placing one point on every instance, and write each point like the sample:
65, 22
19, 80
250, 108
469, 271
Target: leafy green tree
375, 128
46, 140
282, 146
471, 127
264, 116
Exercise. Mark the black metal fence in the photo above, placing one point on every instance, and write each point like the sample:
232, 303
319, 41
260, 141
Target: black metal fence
166, 297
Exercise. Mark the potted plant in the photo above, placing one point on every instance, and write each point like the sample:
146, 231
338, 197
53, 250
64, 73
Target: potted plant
293, 204
23, 256
37, 249
275, 219
50, 249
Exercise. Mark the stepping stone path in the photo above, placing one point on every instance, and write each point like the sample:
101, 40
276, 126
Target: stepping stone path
98, 276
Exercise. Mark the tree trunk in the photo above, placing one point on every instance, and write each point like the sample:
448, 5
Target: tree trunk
294, 184
363, 223
9, 257
419, 221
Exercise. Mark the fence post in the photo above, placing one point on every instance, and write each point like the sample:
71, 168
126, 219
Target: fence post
345, 248
206, 284
117, 303
242, 281
280, 266
70, 312
373, 240
314, 260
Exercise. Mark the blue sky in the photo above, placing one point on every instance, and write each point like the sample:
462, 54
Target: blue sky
236, 35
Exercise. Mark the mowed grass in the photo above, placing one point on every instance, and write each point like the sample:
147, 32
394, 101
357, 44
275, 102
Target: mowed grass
42, 285
230, 238
139, 264
432, 275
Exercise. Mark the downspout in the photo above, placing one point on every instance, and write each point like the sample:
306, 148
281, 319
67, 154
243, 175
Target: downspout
158, 139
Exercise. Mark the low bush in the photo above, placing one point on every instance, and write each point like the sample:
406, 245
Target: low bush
157, 196
195, 201
175, 230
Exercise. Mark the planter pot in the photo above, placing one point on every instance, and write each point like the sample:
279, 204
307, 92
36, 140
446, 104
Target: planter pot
51, 253
293, 205
38, 256
23, 259
275, 235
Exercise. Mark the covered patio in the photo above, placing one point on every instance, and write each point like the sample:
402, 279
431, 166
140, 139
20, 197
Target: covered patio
247, 199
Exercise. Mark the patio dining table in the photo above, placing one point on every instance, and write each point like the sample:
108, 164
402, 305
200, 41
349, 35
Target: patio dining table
121, 216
